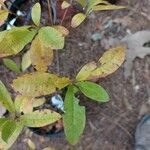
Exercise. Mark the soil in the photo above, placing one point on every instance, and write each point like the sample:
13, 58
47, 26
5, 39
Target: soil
109, 126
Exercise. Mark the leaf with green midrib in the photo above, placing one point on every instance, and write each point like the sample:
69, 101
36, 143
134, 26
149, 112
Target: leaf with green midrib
14, 40
74, 117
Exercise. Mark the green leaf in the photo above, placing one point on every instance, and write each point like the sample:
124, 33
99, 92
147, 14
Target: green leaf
39, 84
77, 20
40, 55
26, 61
14, 40
5, 98
2, 122
8, 129
74, 117
10, 64
111, 60
85, 72
3, 15
10, 132
36, 14
40, 118
51, 38
93, 91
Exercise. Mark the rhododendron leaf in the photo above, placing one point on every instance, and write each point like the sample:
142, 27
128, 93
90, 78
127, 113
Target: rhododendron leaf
14, 40
74, 117
40, 118
77, 19
51, 38
36, 14
39, 83
41, 56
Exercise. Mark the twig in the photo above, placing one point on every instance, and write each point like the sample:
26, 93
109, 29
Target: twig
49, 11
57, 62
64, 15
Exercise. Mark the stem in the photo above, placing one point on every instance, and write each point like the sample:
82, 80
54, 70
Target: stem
65, 13
49, 12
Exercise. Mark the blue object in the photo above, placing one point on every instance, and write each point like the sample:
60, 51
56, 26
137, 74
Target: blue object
58, 102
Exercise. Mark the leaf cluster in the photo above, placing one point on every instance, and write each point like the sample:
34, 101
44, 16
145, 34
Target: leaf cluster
30, 86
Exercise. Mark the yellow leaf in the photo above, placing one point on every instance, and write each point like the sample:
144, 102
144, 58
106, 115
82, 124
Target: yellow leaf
24, 104
3, 15
65, 5
77, 20
86, 71
83, 3
48, 148
31, 144
38, 102
62, 30
40, 118
26, 61
39, 83
93, 3
36, 14
52, 38
41, 56
107, 7
109, 62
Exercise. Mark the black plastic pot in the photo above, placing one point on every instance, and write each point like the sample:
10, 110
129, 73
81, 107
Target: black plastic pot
49, 134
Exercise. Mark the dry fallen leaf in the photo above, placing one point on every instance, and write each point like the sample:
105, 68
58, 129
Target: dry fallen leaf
135, 43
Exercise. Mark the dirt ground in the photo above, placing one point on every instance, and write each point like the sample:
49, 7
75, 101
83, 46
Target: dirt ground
109, 126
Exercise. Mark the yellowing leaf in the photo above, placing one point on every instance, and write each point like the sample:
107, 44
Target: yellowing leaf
5, 98
36, 14
3, 15
51, 38
109, 62
41, 56
26, 61
23, 104
62, 30
48, 148
39, 83
93, 3
86, 71
77, 19
83, 3
38, 102
40, 118
14, 40
74, 117
107, 7
31, 144
26, 104
65, 5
